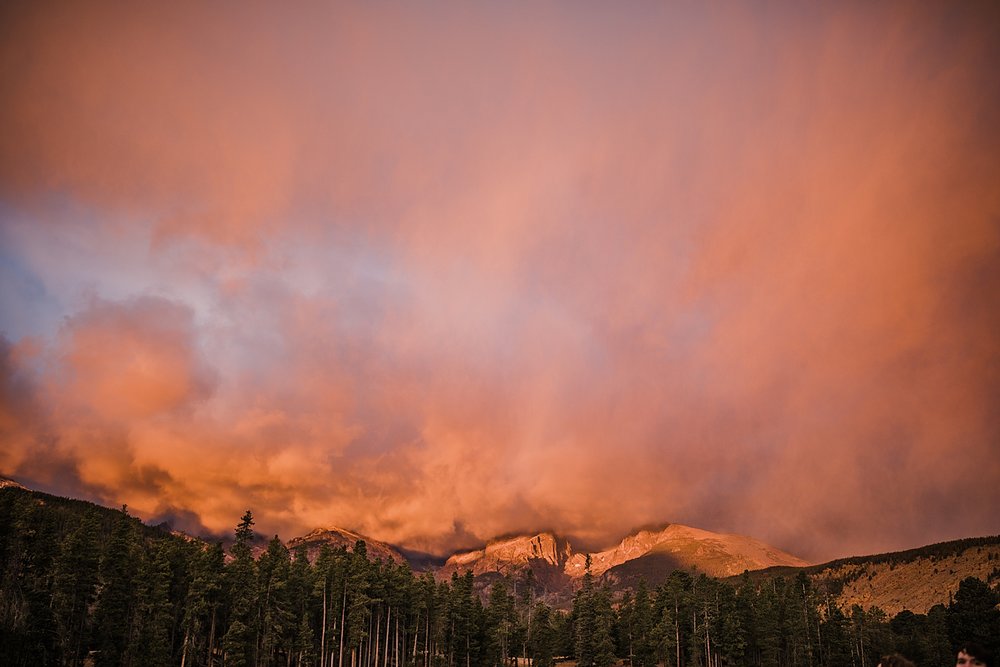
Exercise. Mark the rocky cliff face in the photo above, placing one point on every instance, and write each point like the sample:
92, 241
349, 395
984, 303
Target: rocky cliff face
650, 554
666, 549
506, 555
654, 554
632, 547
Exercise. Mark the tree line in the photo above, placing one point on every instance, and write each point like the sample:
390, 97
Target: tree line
83, 585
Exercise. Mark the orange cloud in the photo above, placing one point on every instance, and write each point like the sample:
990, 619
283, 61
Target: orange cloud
444, 273
132, 361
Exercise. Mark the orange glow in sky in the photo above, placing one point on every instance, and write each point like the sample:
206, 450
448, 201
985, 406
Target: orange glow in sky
437, 272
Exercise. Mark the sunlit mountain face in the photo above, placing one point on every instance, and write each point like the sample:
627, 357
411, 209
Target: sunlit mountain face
441, 274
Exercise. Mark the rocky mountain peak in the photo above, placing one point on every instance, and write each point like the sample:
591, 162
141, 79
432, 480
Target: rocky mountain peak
678, 546
339, 537
505, 554
5, 482
651, 553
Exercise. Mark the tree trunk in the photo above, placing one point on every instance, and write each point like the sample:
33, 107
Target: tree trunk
708, 645
184, 653
677, 633
430, 642
416, 635
343, 629
322, 634
385, 659
211, 641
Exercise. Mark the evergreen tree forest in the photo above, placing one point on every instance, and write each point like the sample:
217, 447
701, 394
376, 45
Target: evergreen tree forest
82, 585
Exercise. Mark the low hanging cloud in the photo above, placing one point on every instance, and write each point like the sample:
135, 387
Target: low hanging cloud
442, 274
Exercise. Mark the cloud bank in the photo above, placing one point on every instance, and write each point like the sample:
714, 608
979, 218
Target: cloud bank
443, 273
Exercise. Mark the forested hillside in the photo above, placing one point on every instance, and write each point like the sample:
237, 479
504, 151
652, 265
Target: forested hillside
915, 579
83, 584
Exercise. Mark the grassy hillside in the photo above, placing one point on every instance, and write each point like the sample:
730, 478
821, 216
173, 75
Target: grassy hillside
916, 579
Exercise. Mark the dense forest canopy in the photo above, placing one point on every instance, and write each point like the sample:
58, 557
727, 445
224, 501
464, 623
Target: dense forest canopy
86, 585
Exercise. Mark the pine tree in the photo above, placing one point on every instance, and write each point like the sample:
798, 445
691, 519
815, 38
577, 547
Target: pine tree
27, 622
664, 632
275, 613
543, 640
973, 616
300, 587
593, 621
426, 625
201, 609
238, 642
642, 644
152, 646
74, 587
501, 616
329, 584
113, 615
527, 605
584, 620
466, 621
938, 644
674, 613
356, 609
729, 632
304, 642
797, 620
769, 612
604, 619
836, 632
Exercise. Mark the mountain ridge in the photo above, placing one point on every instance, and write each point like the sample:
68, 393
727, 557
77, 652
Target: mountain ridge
336, 537
914, 579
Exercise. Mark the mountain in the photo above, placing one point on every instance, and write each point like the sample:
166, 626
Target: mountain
53, 547
545, 555
915, 579
9, 483
507, 555
655, 554
651, 553
339, 537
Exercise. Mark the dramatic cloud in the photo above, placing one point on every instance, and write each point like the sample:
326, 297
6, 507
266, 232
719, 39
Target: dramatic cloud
446, 272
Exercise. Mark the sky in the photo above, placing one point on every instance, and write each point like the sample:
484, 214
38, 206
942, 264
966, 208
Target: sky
438, 272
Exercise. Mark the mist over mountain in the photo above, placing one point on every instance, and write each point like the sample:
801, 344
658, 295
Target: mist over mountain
130, 574
581, 266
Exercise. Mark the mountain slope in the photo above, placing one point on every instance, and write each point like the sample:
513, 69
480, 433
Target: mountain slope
339, 537
650, 553
655, 553
506, 555
9, 483
915, 579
